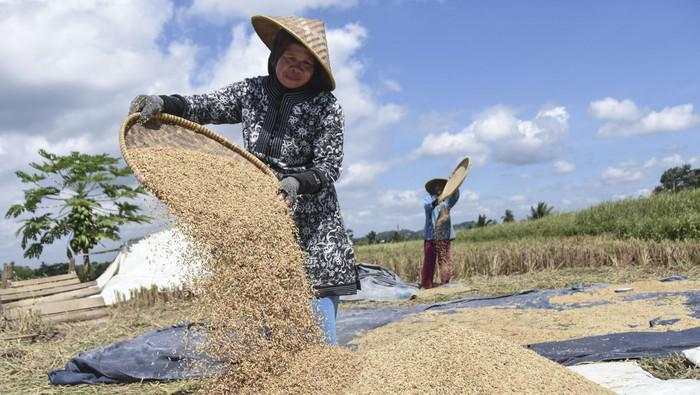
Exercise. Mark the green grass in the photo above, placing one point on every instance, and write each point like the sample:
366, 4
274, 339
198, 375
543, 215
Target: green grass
664, 216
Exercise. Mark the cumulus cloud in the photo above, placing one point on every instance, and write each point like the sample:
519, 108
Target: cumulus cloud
614, 110
616, 175
400, 198
517, 198
499, 133
222, 10
391, 85
469, 195
564, 167
76, 65
361, 174
672, 160
624, 118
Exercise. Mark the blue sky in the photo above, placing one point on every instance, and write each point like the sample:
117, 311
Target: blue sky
571, 103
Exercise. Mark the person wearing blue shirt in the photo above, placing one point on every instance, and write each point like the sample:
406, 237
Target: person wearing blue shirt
438, 233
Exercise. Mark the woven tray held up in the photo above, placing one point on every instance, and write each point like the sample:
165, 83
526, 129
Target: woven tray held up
176, 132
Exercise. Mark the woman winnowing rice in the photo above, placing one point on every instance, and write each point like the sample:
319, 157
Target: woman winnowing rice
293, 123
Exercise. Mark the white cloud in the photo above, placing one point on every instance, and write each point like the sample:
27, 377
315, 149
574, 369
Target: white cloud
615, 175
563, 167
400, 199
517, 198
614, 110
623, 118
391, 85
27, 147
469, 195
499, 133
668, 161
361, 174
464, 142
75, 67
221, 10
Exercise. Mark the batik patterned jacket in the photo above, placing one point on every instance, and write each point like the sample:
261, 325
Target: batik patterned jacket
294, 133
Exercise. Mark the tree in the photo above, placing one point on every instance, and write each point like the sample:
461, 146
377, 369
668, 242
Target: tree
541, 211
350, 234
78, 196
396, 237
371, 237
679, 178
481, 221
508, 216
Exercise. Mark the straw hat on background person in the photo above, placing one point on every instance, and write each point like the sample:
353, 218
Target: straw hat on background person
435, 186
311, 33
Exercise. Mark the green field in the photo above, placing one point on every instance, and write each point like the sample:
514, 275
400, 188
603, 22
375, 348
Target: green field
659, 233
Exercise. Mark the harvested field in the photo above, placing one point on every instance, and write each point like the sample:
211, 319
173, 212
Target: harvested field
508, 257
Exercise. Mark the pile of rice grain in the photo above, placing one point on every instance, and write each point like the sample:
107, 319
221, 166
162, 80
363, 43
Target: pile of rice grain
255, 294
256, 297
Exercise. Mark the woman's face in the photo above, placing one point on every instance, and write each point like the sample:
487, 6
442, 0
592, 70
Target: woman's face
295, 67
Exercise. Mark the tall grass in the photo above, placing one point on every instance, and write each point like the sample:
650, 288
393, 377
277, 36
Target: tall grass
528, 255
659, 217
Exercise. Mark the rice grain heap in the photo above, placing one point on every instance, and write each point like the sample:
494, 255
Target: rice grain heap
255, 294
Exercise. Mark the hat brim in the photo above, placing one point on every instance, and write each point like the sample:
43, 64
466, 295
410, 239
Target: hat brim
433, 185
267, 29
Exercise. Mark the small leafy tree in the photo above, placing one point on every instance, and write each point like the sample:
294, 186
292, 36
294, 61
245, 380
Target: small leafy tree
679, 178
542, 210
482, 221
372, 237
396, 237
78, 196
508, 216
350, 234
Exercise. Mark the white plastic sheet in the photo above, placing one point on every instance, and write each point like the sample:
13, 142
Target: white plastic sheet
630, 378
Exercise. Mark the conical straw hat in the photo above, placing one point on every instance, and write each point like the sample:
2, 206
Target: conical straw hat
309, 32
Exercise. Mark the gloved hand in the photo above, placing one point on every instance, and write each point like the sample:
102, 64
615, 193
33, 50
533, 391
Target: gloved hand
148, 105
289, 186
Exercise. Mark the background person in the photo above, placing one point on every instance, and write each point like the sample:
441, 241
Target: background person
437, 233
293, 123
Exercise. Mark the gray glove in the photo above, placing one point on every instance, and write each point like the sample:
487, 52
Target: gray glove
289, 186
148, 105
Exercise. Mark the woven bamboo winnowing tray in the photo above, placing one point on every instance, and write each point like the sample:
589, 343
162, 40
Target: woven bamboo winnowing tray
176, 132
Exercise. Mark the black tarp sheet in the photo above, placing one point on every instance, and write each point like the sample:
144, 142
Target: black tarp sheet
161, 355
617, 346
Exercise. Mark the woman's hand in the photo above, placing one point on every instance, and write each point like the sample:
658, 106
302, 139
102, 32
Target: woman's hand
289, 186
148, 105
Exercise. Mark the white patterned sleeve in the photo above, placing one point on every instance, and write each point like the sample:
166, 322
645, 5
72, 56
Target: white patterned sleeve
328, 147
221, 106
